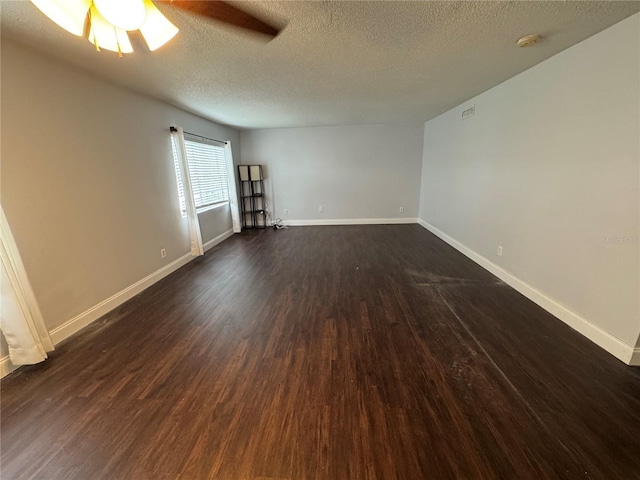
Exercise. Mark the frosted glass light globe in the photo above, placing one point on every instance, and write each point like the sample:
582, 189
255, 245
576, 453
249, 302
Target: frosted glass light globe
124, 14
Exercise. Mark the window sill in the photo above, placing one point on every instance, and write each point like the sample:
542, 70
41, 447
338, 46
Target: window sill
206, 209
211, 207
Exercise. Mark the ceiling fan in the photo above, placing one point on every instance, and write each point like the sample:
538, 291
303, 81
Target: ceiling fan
109, 24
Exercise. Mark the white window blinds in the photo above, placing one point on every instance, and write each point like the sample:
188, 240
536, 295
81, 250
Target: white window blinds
208, 171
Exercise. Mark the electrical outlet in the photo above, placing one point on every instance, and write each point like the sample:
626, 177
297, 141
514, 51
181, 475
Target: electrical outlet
499, 250
321, 208
401, 209
285, 212
163, 253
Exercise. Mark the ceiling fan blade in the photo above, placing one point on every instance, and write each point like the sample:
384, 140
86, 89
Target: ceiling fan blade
226, 13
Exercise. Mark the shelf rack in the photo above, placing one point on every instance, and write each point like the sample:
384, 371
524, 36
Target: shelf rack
252, 197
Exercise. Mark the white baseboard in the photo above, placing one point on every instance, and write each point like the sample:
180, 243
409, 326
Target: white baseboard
635, 358
611, 344
85, 318
219, 239
6, 367
356, 221
78, 322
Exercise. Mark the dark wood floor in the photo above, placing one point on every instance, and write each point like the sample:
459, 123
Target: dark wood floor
364, 352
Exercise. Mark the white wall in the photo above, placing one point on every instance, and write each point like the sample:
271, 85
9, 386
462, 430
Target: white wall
548, 167
355, 172
88, 182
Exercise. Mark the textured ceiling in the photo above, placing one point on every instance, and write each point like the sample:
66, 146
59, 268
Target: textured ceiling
335, 62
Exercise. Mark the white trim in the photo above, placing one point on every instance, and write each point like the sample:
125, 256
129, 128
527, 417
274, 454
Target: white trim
200, 210
78, 322
183, 213
355, 221
6, 367
635, 358
213, 206
611, 344
219, 239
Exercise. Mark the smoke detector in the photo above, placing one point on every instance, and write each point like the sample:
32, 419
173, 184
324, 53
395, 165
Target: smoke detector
528, 40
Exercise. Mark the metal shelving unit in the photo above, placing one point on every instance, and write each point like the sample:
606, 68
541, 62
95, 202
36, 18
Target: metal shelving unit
252, 199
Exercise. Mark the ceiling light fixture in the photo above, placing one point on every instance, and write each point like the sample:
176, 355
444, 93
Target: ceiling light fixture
105, 23
124, 14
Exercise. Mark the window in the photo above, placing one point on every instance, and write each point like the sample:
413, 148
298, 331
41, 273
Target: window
208, 171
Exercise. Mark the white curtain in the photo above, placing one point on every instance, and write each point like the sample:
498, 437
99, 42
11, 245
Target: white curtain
233, 192
197, 248
20, 318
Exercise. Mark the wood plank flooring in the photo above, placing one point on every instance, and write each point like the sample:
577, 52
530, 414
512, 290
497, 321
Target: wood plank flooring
354, 352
